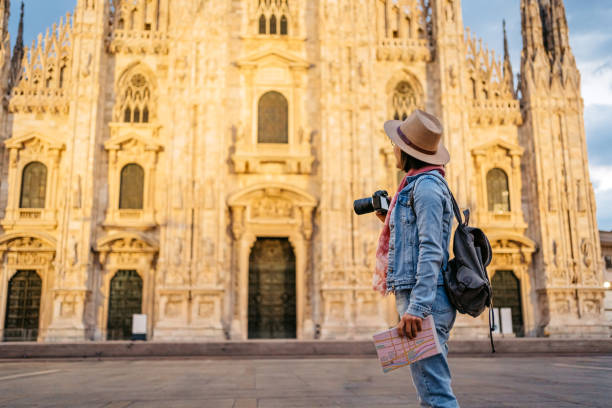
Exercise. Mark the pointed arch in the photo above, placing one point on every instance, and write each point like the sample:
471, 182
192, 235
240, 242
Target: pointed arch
273, 24
136, 90
405, 93
284, 25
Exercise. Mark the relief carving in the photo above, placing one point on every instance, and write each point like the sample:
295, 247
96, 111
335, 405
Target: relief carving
591, 307
173, 307
206, 309
586, 250
272, 208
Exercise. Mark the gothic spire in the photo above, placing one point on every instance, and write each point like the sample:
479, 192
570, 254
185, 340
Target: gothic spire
531, 25
559, 27
508, 75
18, 53
5, 11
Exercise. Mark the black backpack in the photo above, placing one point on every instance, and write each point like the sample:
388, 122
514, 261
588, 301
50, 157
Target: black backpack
466, 280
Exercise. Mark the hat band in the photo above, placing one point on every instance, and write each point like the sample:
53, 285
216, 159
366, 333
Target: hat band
415, 147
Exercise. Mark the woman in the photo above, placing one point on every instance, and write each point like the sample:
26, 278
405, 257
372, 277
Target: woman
413, 247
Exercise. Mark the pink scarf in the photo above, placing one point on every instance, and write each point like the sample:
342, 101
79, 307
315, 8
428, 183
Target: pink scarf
379, 280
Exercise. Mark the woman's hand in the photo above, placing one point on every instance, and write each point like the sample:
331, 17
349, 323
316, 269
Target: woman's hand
381, 216
409, 326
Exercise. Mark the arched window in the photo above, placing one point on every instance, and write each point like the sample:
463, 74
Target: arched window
131, 195
273, 17
404, 100
273, 118
273, 24
136, 100
283, 26
33, 186
497, 191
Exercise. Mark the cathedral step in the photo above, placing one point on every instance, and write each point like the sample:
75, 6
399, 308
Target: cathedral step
288, 348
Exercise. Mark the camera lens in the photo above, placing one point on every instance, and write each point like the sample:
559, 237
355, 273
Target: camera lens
363, 206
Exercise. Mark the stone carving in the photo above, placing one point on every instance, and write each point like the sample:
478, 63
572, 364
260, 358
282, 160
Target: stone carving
591, 307
206, 309
173, 307
73, 250
452, 76
492, 95
586, 251
269, 207
87, 69
177, 258
44, 85
68, 306
449, 11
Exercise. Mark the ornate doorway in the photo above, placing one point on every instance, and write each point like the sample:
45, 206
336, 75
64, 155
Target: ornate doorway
125, 300
272, 290
23, 307
507, 294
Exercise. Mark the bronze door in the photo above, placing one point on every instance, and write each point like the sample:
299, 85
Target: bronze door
125, 300
272, 307
507, 293
23, 307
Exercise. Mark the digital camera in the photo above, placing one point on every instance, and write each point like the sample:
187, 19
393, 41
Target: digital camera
378, 202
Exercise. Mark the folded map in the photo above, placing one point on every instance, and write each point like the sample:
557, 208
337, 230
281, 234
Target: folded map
395, 351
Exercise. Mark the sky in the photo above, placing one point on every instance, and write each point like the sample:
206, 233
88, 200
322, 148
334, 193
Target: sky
590, 38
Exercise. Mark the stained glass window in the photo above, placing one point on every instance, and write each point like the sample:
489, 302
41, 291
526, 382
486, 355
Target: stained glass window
132, 187
404, 101
273, 119
33, 186
262, 24
497, 191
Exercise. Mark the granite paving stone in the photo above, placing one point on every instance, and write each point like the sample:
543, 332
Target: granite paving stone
485, 382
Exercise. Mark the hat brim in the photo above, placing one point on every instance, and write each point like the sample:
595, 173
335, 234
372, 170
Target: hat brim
441, 157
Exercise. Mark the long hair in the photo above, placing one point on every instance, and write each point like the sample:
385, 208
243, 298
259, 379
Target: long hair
411, 163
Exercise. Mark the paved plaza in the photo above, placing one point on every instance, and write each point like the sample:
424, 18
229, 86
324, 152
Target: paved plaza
541, 381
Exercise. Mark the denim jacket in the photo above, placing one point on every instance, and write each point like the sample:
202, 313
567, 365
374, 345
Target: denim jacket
419, 240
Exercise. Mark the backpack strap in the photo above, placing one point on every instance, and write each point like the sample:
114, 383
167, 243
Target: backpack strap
454, 202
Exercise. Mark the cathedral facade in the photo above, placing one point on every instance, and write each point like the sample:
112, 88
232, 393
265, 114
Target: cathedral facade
196, 161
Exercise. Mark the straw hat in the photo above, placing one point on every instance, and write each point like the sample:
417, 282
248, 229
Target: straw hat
420, 136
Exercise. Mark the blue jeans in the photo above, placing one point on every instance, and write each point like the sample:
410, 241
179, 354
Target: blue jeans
431, 377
